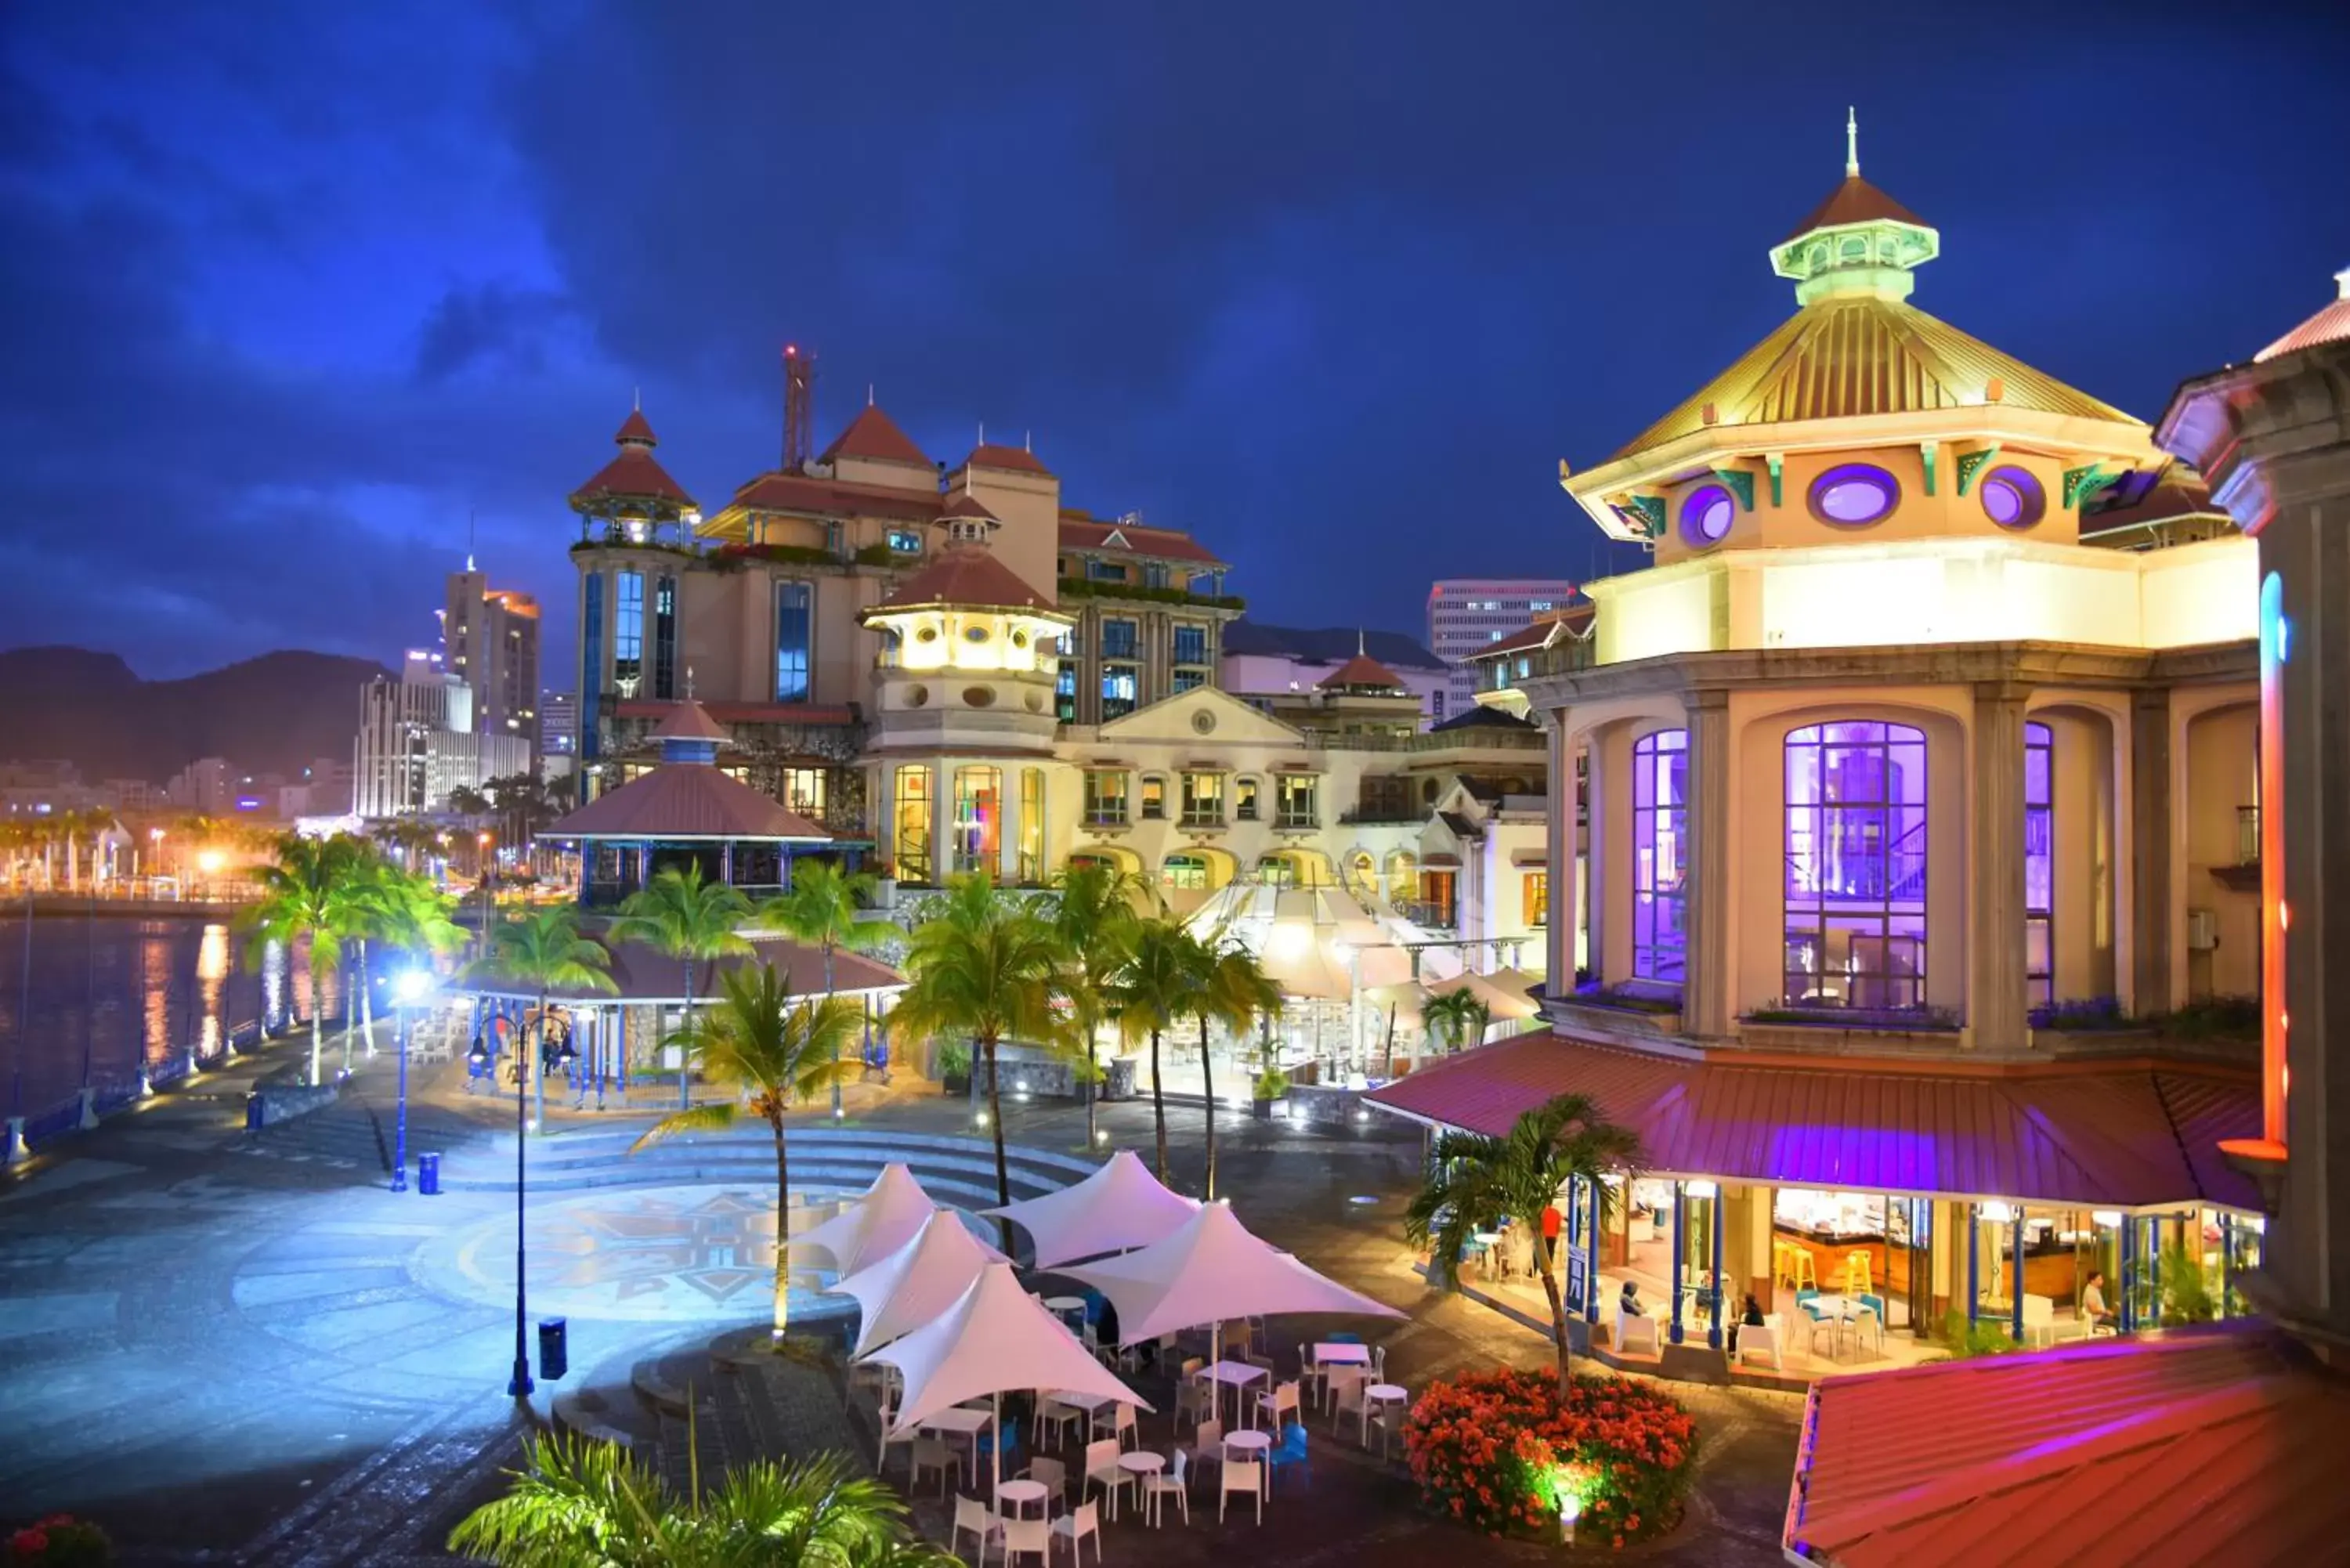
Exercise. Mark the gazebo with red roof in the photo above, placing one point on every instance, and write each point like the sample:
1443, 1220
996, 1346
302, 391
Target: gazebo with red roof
685, 810
633, 495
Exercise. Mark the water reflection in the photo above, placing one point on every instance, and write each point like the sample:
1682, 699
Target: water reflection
212, 977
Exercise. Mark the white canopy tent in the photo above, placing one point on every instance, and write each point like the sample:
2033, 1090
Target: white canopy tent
996, 1336
1118, 1207
914, 1284
893, 1210
1210, 1270
1504, 1003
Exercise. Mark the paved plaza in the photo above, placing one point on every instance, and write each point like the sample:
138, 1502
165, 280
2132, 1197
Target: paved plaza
242, 1348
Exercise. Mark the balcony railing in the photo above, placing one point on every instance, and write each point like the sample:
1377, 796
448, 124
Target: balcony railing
1203, 819
1107, 821
1297, 821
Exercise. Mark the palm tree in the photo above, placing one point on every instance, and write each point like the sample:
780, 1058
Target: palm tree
1166, 968
1094, 920
755, 1039
417, 917
582, 1504
819, 910
1473, 1181
982, 969
1459, 1018
359, 910
542, 949
1235, 992
302, 896
691, 920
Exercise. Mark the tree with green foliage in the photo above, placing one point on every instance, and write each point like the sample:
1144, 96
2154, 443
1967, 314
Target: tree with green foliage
1458, 1018
542, 950
1165, 970
581, 1504
696, 922
982, 969
1474, 1181
819, 910
1095, 913
303, 900
756, 1040
1237, 994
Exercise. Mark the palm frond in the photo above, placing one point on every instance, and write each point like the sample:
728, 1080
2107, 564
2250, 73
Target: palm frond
700, 1119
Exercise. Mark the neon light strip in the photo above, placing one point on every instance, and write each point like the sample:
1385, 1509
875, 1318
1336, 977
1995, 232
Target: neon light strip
2275, 634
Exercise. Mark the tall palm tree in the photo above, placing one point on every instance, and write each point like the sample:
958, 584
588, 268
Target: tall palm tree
819, 910
1094, 919
1166, 967
981, 970
1235, 993
1473, 1181
542, 949
360, 912
1459, 1018
691, 920
302, 895
584, 1504
417, 917
755, 1039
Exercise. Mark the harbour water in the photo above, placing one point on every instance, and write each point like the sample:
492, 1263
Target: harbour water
87, 999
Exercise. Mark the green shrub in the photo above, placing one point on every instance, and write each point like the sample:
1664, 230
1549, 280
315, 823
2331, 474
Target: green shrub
1272, 1083
955, 1059
2186, 1293
1985, 1336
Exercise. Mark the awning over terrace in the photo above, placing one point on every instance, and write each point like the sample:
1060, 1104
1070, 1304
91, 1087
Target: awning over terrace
2110, 1136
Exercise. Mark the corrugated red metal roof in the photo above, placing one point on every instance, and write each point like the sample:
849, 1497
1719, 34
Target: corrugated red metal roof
966, 574
634, 475
644, 974
1362, 669
833, 498
1013, 459
1855, 202
636, 427
963, 503
2330, 325
2104, 1135
1162, 544
874, 434
686, 800
688, 720
2220, 1445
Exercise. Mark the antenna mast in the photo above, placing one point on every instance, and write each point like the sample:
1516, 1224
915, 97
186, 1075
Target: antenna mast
799, 406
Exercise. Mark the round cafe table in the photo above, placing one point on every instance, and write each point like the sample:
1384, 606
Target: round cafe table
1384, 1394
1065, 1305
1016, 1495
1251, 1445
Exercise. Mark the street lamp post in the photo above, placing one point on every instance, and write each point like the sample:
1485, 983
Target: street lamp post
519, 1385
406, 991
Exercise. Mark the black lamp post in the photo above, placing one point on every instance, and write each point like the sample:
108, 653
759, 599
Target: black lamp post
519, 1385
411, 985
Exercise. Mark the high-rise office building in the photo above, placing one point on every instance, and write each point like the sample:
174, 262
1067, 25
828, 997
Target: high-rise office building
421, 737
1465, 613
489, 640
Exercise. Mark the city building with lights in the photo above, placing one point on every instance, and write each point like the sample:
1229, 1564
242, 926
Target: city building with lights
1917, 841
1467, 615
488, 640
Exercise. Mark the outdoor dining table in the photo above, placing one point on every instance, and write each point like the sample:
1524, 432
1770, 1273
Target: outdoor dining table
1087, 1403
1016, 1495
1333, 1353
965, 1421
1251, 1444
1845, 1314
1142, 1464
1383, 1393
1064, 1305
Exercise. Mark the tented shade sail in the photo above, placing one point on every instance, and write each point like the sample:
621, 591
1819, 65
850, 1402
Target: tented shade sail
1118, 1207
888, 1217
1504, 1004
914, 1284
1210, 1270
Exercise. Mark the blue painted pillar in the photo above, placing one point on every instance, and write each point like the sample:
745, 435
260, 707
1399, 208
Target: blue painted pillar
2015, 1281
1680, 1207
1974, 1259
1720, 1295
1594, 1228
2128, 1306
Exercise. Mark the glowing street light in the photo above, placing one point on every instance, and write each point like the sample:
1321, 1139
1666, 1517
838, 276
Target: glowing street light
408, 989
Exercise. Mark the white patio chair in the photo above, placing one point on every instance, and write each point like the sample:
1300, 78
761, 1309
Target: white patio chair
974, 1518
1278, 1405
1122, 1425
1174, 1483
1029, 1538
1059, 1419
1763, 1339
1075, 1526
1352, 1398
930, 1454
1052, 1476
1636, 1333
1207, 1444
1102, 1469
1193, 1399
1342, 1382
1241, 1475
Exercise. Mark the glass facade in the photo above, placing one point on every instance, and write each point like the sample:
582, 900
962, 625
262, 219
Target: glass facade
1118, 639
1298, 801
795, 620
627, 631
665, 638
978, 819
1659, 856
1064, 690
1120, 684
910, 824
1855, 858
2039, 866
1105, 800
1032, 825
1191, 644
591, 662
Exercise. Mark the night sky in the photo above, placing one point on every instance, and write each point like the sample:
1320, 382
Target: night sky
287, 291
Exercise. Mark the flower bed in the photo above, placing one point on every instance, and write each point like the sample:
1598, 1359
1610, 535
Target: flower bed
1503, 1452
60, 1540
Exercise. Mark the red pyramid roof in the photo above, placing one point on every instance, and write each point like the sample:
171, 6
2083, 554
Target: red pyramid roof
635, 473
1360, 670
967, 574
1855, 202
874, 434
688, 721
2330, 325
1016, 460
963, 503
636, 427
686, 800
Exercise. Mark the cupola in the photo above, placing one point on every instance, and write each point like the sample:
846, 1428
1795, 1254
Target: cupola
1859, 241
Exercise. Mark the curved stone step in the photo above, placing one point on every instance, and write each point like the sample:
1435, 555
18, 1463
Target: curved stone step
957, 1169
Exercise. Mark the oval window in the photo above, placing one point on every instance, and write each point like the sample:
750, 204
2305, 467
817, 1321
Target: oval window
917, 695
927, 634
974, 634
1019, 639
2012, 498
1854, 494
979, 697
1706, 514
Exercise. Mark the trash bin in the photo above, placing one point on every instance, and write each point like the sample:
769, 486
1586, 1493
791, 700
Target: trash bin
428, 1175
553, 1348
253, 1113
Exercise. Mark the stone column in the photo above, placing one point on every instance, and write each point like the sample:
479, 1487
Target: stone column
1995, 1001
1603, 787
2148, 970
1558, 938
1711, 966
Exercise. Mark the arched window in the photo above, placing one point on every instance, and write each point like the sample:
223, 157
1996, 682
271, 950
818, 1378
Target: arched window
1856, 850
1403, 878
1362, 875
2039, 866
1660, 853
1185, 872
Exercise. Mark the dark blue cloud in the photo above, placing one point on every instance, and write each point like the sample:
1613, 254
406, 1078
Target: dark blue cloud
290, 292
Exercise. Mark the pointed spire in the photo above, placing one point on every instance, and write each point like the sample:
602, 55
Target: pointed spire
869, 394
1028, 442
1360, 651
637, 398
1851, 143
983, 432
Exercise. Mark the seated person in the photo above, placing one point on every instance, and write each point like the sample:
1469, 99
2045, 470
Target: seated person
1751, 1315
2092, 1310
1630, 1303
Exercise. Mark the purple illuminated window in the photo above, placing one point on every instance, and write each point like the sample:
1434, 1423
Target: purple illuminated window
1706, 514
2012, 498
1856, 852
2039, 864
1854, 494
1659, 853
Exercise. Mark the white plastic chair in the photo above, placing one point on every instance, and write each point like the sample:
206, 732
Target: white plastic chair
976, 1518
930, 1454
1059, 1420
1763, 1339
1280, 1403
1637, 1333
1207, 1444
1053, 1475
1241, 1475
1122, 1425
1352, 1398
1193, 1398
1175, 1483
1075, 1526
1029, 1538
1102, 1469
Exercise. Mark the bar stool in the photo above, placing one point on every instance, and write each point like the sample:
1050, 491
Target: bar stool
1856, 1273
1799, 1267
